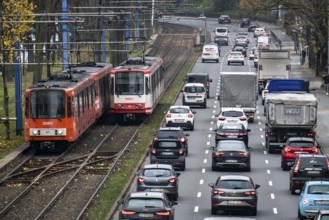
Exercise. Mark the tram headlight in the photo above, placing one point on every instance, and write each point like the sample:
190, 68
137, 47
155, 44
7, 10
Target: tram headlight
35, 132
60, 132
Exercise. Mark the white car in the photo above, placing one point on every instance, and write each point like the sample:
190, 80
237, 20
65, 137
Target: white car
232, 115
235, 57
180, 115
195, 94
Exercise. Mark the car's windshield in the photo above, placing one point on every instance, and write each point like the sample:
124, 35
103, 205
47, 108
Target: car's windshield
194, 89
230, 146
232, 114
156, 172
234, 184
145, 203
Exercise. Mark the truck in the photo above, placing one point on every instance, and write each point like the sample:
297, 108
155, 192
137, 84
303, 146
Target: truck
289, 114
239, 89
272, 64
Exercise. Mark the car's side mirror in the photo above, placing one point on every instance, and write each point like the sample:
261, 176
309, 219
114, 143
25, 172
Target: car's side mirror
248, 130
211, 185
136, 173
215, 130
210, 80
150, 146
178, 174
120, 202
257, 186
173, 203
187, 134
182, 91
250, 148
212, 148
194, 112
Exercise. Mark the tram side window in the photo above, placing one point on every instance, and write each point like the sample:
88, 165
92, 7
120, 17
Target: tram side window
147, 86
69, 106
82, 107
76, 100
27, 107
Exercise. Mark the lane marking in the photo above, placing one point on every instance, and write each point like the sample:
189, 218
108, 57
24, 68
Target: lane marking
196, 208
275, 210
261, 129
268, 171
212, 122
199, 195
266, 161
270, 183
203, 170
259, 123
210, 129
262, 136
201, 182
272, 196
206, 152
205, 161
263, 143
208, 143
209, 135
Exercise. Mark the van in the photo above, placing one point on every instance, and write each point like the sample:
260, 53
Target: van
259, 31
210, 52
199, 78
221, 31
263, 42
194, 94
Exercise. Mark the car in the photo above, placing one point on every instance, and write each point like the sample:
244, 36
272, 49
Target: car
252, 53
294, 146
245, 34
147, 205
224, 19
194, 94
235, 57
234, 193
241, 48
308, 167
158, 177
245, 22
259, 31
232, 131
230, 154
256, 61
172, 132
252, 27
232, 115
265, 91
210, 52
313, 197
322, 215
168, 151
199, 78
179, 115
221, 40
221, 31
241, 41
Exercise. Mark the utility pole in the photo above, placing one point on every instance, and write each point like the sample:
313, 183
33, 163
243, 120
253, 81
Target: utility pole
65, 35
18, 91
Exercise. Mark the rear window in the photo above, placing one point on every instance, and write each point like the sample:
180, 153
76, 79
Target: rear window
324, 217
232, 114
156, 172
234, 184
221, 30
196, 79
173, 134
310, 162
145, 203
179, 110
236, 54
301, 144
167, 144
318, 189
232, 126
194, 89
231, 146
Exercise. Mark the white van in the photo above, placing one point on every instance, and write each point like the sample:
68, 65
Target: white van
210, 52
263, 42
194, 94
221, 32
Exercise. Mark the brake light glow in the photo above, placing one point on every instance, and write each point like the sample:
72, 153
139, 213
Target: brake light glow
245, 154
172, 180
305, 201
243, 118
217, 153
221, 118
181, 152
183, 140
287, 149
190, 115
242, 133
126, 212
297, 166
163, 213
168, 115
153, 151
315, 150
141, 180
250, 193
311, 134
327, 163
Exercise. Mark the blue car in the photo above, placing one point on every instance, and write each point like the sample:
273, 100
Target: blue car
313, 197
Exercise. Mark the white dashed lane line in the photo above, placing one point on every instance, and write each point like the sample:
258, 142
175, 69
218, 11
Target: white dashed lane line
198, 195
272, 196
266, 161
201, 182
196, 208
203, 170
275, 210
205, 161
270, 183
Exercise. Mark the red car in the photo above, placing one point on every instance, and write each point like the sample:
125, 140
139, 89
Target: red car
294, 146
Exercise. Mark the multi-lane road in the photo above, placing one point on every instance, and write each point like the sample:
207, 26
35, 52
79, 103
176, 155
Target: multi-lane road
274, 198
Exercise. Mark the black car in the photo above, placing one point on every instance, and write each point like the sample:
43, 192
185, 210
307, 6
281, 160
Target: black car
158, 177
234, 193
232, 131
245, 22
224, 19
241, 48
230, 154
308, 167
172, 132
168, 151
199, 78
252, 28
221, 40
147, 205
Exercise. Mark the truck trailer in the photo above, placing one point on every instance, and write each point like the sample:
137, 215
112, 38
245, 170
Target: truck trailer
289, 115
239, 89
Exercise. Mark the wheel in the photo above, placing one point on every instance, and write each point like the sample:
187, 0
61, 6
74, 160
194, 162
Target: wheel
284, 166
248, 168
300, 215
207, 95
174, 197
183, 167
213, 167
192, 127
242, 63
263, 101
254, 212
205, 105
228, 63
270, 149
213, 211
292, 189
202, 60
217, 61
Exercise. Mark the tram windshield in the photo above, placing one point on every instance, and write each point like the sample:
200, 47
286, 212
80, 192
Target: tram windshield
129, 83
47, 104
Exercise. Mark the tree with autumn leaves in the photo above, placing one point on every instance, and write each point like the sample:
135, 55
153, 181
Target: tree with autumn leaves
16, 19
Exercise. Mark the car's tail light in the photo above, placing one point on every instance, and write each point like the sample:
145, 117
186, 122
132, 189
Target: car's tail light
229, 57
287, 149
126, 212
297, 166
141, 180
168, 115
315, 150
181, 152
182, 139
221, 118
163, 213
153, 151
327, 163
154, 139
221, 133
265, 91
270, 133
311, 134
243, 119
218, 192
218, 153
190, 115
250, 193
242, 134
261, 83
245, 154
172, 180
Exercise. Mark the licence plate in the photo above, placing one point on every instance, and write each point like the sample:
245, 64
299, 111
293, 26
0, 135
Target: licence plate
146, 215
234, 202
232, 136
231, 161
231, 120
313, 172
156, 190
179, 120
167, 153
322, 202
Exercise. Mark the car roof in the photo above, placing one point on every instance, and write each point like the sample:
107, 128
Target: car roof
170, 129
194, 84
159, 195
301, 139
234, 177
316, 182
180, 106
192, 74
161, 166
311, 155
230, 141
